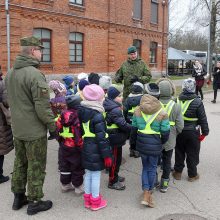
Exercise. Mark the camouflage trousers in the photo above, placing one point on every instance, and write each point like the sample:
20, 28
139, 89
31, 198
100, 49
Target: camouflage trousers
29, 167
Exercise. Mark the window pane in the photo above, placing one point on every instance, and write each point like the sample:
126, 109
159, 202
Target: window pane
78, 58
79, 52
37, 33
79, 46
46, 45
153, 52
79, 2
45, 34
46, 58
137, 13
46, 51
72, 37
72, 58
72, 52
72, 46
79, 37
137, 44
154, 12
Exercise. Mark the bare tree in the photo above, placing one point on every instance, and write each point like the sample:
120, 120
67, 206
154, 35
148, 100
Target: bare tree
180, 40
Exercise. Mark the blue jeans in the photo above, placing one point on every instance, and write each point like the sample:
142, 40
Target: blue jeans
149, 164
92, 182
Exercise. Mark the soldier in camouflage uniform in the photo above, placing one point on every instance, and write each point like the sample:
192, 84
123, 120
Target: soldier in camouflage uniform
132, 70
28, 95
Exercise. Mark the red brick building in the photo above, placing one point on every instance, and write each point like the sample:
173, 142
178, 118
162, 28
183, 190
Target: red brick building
87, 35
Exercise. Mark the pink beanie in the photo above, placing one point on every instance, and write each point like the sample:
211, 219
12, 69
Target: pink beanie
93, 92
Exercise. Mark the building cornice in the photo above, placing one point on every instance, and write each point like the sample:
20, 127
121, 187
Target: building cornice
55, 16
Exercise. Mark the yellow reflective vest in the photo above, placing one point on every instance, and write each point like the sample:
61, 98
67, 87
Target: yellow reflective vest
149, 120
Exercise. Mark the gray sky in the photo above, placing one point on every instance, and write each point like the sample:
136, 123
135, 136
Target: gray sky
179, 19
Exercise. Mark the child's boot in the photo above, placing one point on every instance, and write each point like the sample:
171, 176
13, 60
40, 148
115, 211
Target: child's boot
87, 201
97, 203
177, 175
146, 196
164, 185
151, 203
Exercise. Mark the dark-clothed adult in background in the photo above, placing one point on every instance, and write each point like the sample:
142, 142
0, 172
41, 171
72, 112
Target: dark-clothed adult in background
216, 81
132, 70
188, 142
199, 72
31, 114
6, 138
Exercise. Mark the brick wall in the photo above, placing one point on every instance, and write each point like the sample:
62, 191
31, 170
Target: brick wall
107, 26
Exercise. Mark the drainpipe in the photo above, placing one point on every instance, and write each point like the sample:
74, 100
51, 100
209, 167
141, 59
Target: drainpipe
8, 33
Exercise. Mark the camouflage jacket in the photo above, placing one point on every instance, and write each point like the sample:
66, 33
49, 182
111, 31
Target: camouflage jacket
130, 68
28, 95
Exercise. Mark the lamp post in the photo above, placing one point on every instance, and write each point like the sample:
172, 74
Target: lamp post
163, 29
8, 33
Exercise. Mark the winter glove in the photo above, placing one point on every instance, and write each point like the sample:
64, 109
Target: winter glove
134, 79
52, 136
108, 162
201, 137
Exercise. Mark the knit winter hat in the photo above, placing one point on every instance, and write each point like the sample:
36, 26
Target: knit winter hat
94, 78
68, 80
73, 101
105, 82
189, 85
113, 92
82, 84
152, 89
165, 88
82, 76
137, 88
93, 92
57, 87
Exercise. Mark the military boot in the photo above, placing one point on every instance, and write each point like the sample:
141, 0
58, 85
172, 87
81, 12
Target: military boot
38, 206
20, 200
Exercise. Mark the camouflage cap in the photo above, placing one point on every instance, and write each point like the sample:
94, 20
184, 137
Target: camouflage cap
31, 41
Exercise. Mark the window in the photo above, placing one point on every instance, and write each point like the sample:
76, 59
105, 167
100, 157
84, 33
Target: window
137, 13
45, 36
154, 11
76, 47
153, 52
77, 2
137, 44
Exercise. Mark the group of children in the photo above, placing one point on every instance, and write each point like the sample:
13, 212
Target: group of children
93, 123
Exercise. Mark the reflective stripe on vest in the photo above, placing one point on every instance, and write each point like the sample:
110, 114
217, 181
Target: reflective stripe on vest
184, 107
87, 132
66, 133
56, 119
168, 108
132, 109
86, 129
110, 126
149, 119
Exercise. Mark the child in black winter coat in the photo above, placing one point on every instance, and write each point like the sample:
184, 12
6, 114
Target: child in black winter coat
133, 100
118, 130
96, 152
70, 141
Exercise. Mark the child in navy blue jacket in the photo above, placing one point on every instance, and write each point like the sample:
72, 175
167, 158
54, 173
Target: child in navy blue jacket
118, 130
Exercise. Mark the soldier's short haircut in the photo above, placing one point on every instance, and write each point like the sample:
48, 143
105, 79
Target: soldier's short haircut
26, 50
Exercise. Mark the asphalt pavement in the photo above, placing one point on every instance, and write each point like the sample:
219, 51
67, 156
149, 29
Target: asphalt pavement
184, 200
